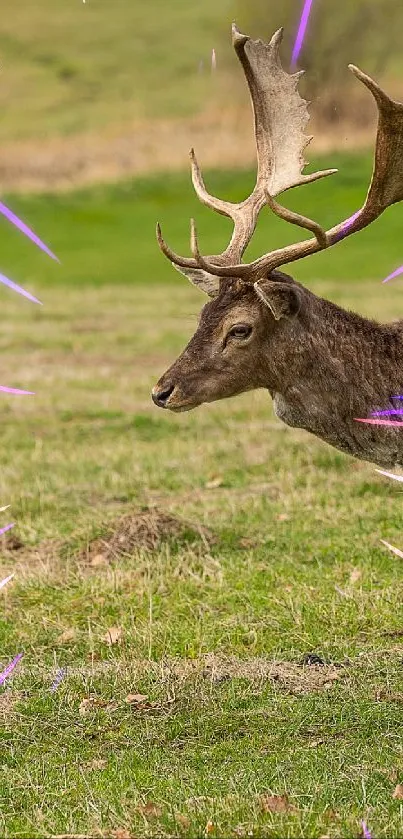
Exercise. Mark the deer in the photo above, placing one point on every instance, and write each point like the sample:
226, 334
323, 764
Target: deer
323, 366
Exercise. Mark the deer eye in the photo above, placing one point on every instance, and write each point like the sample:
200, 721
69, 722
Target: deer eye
240, 331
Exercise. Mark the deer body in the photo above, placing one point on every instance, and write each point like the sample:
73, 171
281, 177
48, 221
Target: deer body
346, 367
324, 367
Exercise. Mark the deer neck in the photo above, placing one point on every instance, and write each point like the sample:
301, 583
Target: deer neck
333, 367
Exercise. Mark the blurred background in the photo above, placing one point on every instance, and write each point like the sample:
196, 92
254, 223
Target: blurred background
100, 89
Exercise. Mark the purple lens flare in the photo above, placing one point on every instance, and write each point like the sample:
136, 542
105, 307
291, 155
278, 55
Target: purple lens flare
392, 412
16, 391
10, 667
11, 284
393, 275
6, 580
365, 832
59, 676
347, 224
391, 423
26, 230
394, 550
306, 11
6, 528
390, 475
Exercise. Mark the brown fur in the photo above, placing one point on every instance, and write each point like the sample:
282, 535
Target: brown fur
322, 365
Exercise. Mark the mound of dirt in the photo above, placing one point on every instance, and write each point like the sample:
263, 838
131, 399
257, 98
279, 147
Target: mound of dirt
147, 530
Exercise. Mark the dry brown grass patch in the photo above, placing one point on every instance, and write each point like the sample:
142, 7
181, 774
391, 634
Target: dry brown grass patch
145, 531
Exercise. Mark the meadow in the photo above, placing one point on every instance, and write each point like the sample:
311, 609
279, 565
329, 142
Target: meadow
212, 583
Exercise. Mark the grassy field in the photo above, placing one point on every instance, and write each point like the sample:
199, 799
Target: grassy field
68, 66
280, 555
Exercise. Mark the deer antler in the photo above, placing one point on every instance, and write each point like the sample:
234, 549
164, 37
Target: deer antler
386, 188
280, 117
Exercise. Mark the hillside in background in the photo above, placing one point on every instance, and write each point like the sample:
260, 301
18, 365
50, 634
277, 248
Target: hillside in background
96, 90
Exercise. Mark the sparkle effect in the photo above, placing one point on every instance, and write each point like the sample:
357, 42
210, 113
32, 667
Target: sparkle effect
391, 423
16, 391
391, 475
6, 580
394, 550
10, 667
18, 289
394, 274
26, 230
365, 832
59, 676
7, 527
306, 11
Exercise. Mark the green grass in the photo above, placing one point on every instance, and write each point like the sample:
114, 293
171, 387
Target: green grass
69, 67
297, 566
106, 235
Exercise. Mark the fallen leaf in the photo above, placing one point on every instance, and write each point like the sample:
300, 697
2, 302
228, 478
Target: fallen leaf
214, 483
209, 828
276, 804
184, 821
121, 833
355, 575
149, 809
136, 698
398, 793
67, 635
89, 704
113, 635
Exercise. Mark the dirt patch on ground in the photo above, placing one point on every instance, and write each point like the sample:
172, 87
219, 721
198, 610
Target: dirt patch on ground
145, 531
289, 676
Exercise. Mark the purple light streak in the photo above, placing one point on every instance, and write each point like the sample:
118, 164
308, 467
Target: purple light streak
7, 527
346, 225
6, 580
393, 412
365, 832
392, 423
394, 550
390, 475
59, 676
392, 277
306, 11
16, 391
18, 288
10, 667
26, 230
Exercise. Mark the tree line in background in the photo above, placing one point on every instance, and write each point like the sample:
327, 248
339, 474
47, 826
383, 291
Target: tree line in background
363, 32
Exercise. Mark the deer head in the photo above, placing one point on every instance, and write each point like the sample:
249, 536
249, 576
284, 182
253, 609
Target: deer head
256, 313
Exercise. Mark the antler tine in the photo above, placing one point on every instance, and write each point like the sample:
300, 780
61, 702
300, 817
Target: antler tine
199, 259
386, 189
280, 116
225, 208
297, 219
183, 261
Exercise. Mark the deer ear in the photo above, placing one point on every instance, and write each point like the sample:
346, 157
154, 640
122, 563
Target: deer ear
283, 300
202, 279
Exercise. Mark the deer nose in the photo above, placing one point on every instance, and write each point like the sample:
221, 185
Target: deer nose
160, 397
